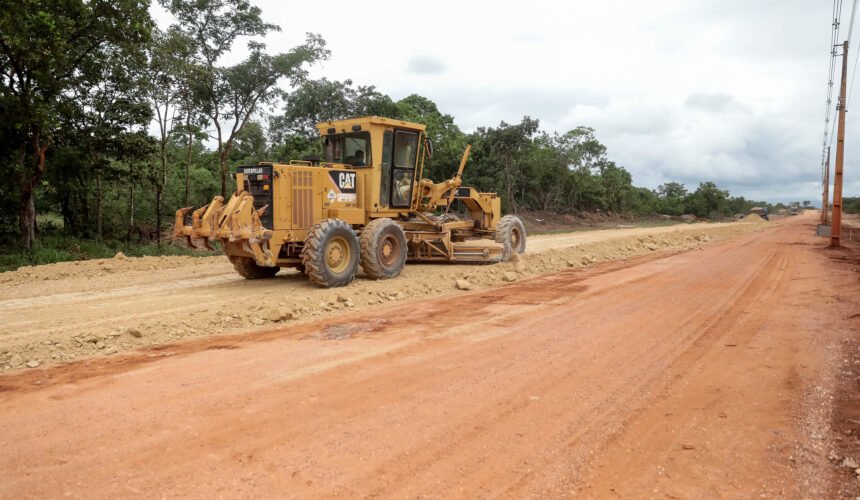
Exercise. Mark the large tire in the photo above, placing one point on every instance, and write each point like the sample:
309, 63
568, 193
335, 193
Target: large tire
248, 268
330, 254
511, 233
383, 249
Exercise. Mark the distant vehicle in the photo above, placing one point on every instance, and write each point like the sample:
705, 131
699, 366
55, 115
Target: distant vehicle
761, 212
793, 211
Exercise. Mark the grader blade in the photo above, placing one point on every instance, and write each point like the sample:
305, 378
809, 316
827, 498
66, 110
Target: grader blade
477, 251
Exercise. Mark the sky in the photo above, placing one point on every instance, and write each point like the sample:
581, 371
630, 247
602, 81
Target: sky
727, 91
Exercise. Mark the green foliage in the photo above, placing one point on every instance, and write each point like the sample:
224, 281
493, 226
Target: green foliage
851, 205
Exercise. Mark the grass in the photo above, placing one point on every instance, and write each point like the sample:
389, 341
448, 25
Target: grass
52, 248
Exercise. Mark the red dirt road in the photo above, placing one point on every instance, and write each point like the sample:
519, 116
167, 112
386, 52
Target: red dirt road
706, 373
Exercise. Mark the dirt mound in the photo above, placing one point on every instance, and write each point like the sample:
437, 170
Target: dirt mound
753, 219
101, 267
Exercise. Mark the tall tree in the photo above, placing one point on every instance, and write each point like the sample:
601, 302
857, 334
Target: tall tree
47, 48
501, 150
168, 55
229, 96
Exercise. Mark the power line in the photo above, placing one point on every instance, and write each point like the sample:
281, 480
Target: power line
834, 36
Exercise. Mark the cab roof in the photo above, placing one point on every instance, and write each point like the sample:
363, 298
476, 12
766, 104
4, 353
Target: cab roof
342, 126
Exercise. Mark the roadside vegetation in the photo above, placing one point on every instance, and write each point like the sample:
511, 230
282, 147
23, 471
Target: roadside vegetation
109, 124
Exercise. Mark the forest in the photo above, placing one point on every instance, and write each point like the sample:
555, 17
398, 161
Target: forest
109, 124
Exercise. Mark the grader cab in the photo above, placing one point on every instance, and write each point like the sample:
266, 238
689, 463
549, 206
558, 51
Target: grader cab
363, 204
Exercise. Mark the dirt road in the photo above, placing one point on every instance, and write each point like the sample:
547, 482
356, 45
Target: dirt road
700, 374
77, 310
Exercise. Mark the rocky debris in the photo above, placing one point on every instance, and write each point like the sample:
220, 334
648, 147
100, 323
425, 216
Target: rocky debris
510, 277
519, 263
463, 284
258, 321
850, 463
134, 332
120, 256
342, 298
32, 363
16, 361
279, 314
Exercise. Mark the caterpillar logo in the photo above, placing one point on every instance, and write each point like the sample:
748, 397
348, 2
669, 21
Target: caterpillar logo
344, 183
344, 180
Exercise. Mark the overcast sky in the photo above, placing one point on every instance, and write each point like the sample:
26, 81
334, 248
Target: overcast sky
730, 91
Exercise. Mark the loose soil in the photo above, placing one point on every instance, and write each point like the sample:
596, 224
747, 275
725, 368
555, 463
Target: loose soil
728, 371
75, 310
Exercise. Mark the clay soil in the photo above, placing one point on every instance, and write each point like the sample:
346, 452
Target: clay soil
717, 361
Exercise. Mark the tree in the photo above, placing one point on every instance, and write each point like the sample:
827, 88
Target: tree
101, 124
671, 196
498, 155
251, 84
707, 201
168, 55
229, 96
47, 49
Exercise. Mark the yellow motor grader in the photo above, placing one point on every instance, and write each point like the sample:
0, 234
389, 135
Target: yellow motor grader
365, 203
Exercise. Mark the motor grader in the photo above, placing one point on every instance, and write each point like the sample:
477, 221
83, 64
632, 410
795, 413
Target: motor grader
365, 203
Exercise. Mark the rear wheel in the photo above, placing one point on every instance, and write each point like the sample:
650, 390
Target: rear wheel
383, 249
248, 268
511, 233
330, 254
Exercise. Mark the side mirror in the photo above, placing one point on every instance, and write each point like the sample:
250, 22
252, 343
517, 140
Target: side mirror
428, 148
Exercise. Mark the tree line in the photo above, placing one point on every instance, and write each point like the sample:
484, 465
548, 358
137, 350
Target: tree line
110, 123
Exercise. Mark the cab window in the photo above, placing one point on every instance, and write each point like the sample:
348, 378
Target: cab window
405, 149
405, 154
351, 149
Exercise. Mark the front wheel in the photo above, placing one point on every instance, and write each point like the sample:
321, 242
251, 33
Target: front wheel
511, 233
248, 268
330, 254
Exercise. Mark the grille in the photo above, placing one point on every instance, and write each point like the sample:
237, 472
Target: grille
303, 206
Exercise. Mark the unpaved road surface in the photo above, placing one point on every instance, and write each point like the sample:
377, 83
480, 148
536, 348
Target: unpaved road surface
76, 310
707, 373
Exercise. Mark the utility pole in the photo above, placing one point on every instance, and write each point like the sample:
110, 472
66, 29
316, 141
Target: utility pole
825, 197
836, 225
